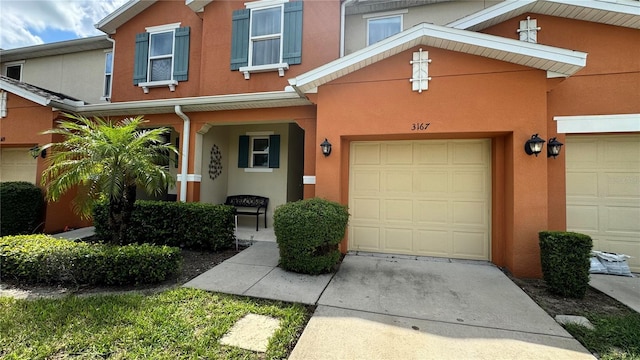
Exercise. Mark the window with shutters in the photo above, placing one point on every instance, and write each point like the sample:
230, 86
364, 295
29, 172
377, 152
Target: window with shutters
161, 57
259, 152
266, 36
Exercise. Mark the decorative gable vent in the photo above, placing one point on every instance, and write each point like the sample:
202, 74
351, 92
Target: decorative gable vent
420, 63
529, 30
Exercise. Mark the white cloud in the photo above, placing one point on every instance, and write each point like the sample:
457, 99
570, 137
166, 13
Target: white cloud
23, 21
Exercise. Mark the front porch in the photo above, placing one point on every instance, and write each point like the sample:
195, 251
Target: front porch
247, 234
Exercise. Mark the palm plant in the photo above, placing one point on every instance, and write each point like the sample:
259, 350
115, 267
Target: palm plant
107, 161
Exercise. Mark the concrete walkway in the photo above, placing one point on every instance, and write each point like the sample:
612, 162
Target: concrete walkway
401, 308
622, 288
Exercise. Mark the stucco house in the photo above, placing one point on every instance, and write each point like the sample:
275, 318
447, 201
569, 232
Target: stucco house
432, 109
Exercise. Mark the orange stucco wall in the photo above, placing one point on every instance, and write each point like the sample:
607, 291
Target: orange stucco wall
210, 49
22, 127
468, 97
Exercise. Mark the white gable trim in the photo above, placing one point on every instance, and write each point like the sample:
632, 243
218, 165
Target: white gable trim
23, 93
613, 12
123, 14
583, 124
552, 59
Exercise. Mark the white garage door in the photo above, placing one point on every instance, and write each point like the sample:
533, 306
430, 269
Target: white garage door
428, 198
16, 164
603, 192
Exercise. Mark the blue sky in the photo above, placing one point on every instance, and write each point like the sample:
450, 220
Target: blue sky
34, 22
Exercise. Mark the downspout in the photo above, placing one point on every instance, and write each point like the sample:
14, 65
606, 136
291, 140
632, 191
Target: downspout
186, 129
343, 15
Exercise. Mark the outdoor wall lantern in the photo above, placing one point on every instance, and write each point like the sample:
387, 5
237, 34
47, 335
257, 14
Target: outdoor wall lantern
553, 147
326, 147
36, 151
534, 145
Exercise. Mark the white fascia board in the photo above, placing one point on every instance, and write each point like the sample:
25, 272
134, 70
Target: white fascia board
585, 124
134, 106
197, 5
420, 35
629, 7
38, 99
122, 14
490, 13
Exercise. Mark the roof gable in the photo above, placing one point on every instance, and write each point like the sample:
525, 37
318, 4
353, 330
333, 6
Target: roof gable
556, 61
624, 13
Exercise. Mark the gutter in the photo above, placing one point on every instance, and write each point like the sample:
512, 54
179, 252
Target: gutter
186, 129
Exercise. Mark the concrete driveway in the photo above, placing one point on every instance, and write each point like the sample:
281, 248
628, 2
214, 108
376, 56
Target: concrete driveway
395, 308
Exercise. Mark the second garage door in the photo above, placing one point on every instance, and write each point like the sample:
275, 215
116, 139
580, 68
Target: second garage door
16, 164
428, 198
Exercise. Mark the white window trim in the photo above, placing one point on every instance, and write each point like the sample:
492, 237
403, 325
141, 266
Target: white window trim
14, 63
104, 96
170, 83
252, 135
386, 15
585, 124
280, 67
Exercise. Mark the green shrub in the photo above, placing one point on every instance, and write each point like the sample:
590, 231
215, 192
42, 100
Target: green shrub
565, 262
21, 208
42, 259
308, 233
185, 225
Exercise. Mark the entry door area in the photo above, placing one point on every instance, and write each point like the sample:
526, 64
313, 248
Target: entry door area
16, 164
425, 197
603, 192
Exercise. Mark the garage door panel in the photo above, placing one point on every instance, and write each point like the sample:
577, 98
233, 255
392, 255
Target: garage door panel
434, 212
435, 204
398, 210
604, 201
366, 181
470, 245
469, 213
366, 154
398, 154
399, 181
398, 240
365, 209
582, 184
433, 153
368, 237
433, 243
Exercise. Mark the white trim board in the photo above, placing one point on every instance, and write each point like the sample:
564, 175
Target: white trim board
584, 124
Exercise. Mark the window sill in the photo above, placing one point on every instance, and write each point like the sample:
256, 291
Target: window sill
151, 84
258, 170
280, 68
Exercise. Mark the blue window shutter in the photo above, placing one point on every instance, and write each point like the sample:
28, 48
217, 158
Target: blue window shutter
141, 58
274, 151
292, 33
243, 151
181, 55
240, 38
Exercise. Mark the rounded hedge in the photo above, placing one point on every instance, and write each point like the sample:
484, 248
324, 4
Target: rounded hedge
308, 233
21, 208
42, 259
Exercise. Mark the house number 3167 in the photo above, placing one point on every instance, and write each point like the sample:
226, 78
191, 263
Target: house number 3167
419, 126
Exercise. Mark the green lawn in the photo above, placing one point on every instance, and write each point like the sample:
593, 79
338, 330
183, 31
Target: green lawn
175, 324
614, 337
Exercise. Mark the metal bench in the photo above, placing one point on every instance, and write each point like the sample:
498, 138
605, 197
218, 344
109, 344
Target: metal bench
249, 205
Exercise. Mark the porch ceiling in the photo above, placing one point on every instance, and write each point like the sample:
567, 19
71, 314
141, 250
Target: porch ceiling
552, 59
624, 13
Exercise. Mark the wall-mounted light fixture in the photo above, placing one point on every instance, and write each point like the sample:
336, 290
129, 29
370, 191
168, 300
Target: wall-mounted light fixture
534, 145
553, 147
326, 147
37, 151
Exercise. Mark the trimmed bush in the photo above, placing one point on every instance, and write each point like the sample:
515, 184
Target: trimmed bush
186, 225
308, 233
565, 262
42, 259
21, 208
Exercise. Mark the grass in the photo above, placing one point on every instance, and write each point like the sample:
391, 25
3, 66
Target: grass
614, 337
175, 324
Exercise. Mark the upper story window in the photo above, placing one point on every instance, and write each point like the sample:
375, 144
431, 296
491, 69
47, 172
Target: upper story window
161, 57
108, 70
13, 70
266, 36
381, 27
